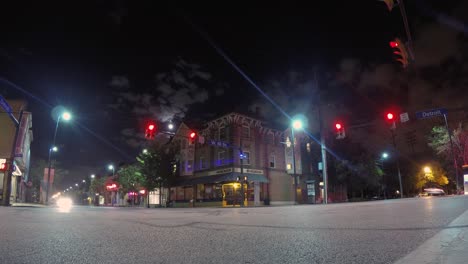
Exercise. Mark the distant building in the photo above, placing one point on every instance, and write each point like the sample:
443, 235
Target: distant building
20, 179
210, 166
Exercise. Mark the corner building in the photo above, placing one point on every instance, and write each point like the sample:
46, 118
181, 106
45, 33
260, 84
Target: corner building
211, 165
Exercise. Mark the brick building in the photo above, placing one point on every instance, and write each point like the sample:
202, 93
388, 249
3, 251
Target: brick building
210, 166
20, 177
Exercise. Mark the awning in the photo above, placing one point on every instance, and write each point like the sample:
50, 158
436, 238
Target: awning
220, 178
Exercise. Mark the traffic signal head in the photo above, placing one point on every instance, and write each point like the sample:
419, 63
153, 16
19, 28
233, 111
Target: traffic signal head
150, 131
400, 49
3, 166
193, 135
390, 116
340, 131
391, 119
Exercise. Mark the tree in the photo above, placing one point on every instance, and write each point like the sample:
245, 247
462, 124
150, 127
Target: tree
439, 141
97, 185
158, 166
37, 174
130, 177
432, 175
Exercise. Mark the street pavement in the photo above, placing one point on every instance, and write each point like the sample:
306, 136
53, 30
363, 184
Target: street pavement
419, 230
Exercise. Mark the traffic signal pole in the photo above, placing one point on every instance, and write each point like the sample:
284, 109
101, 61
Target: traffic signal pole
322, 145
397, 162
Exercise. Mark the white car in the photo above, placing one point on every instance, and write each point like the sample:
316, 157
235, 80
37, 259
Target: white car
434, 191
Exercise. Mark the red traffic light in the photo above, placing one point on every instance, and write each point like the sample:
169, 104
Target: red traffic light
393, 44
390, 116
3, 166
193, 135
151, 127
338, 126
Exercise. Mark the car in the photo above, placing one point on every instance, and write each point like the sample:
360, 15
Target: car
434, 191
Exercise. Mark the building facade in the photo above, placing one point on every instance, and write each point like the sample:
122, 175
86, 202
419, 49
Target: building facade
20, 178
211, 169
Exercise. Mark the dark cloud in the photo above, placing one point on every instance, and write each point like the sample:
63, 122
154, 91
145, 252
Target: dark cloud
172, 95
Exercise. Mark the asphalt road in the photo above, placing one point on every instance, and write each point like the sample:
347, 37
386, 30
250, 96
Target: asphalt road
369, 232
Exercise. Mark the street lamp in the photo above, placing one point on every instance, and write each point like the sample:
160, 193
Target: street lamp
54, 149
144, 151
84, 181
384, 187
66, 116
296, 125
170, 126
93, 176
111, 167
427, 169
76, 184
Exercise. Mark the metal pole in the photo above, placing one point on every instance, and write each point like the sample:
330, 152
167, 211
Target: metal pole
7, 179
241, 179
294, 165
407, 29
452, 151
322, 146
50, 161
398, 163
324, 168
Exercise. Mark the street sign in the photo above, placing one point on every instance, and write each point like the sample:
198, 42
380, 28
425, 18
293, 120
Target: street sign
404, 117
4, 104
431, 113
218, 143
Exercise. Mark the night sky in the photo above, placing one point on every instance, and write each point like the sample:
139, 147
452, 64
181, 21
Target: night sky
85, 56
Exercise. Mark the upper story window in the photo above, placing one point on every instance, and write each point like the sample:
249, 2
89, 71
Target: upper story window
271, 138
246, 158
245, 131
222, 135
272, 161
189, 166
202, 163
221, 158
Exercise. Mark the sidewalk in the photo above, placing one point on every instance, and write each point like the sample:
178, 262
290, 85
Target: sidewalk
28, 205
448, 246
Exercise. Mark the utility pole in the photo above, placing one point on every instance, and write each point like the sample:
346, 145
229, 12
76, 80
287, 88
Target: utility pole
452, 151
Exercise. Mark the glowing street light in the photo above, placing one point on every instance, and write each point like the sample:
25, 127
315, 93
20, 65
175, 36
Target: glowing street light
65, 115
84, 181
76, 184
170, 126
384, 155
54, 149
111, 167
93, 176
296, 125
144, 151
427, 169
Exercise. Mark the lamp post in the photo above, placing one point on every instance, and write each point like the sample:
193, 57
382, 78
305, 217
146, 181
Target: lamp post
66, 116
384, 186
111, 167
296, 124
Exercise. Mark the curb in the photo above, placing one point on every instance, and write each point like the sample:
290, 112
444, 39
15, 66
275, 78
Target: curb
448, 246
